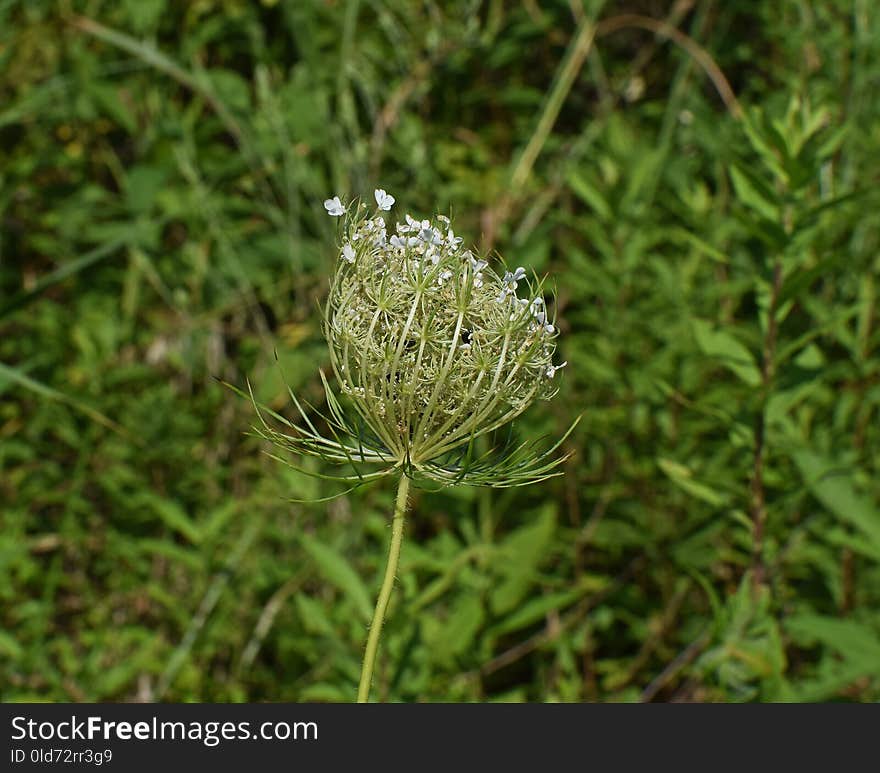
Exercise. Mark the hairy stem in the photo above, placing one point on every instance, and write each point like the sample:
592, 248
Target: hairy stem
385, 592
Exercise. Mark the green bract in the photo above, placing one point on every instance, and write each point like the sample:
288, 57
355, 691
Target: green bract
432, 349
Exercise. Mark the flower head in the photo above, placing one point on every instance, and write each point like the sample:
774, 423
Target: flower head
427, 355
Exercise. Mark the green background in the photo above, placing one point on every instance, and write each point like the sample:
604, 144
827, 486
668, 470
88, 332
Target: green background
700, 180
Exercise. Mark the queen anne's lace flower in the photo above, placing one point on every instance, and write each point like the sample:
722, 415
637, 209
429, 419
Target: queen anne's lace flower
431, 345
433, 349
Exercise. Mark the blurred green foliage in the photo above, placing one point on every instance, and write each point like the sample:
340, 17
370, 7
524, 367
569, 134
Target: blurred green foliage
716, 537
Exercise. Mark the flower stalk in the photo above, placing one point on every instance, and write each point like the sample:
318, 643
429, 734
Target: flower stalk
397, 524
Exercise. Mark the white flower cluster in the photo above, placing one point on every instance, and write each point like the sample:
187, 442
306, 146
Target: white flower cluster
426, 337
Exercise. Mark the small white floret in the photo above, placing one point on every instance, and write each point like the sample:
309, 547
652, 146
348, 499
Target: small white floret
551, 369
383, 200
334, 206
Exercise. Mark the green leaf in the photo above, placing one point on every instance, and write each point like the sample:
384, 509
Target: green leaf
855, 641
835, 489
66, 268
772, 148
832, 678
9, 647
749, 657
852, 653
754, 194
313, 615
142, 186
590, 195
679, 234
537, 609
192, 559
799, 282
722, 345
15, 375
171, 514
337, 571
144, 14
106, 95
231, 88
518, 557
459, 630
844, 537
323, 692
683, 478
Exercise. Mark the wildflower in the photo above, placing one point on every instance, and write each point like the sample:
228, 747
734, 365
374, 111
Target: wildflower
539, 312
334, 207
477, 267
396, 357
383, 200
428, 365
510, 282
411, 224
542, 324
401, 313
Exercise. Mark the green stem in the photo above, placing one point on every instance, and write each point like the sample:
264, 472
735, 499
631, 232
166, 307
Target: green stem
385, 591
